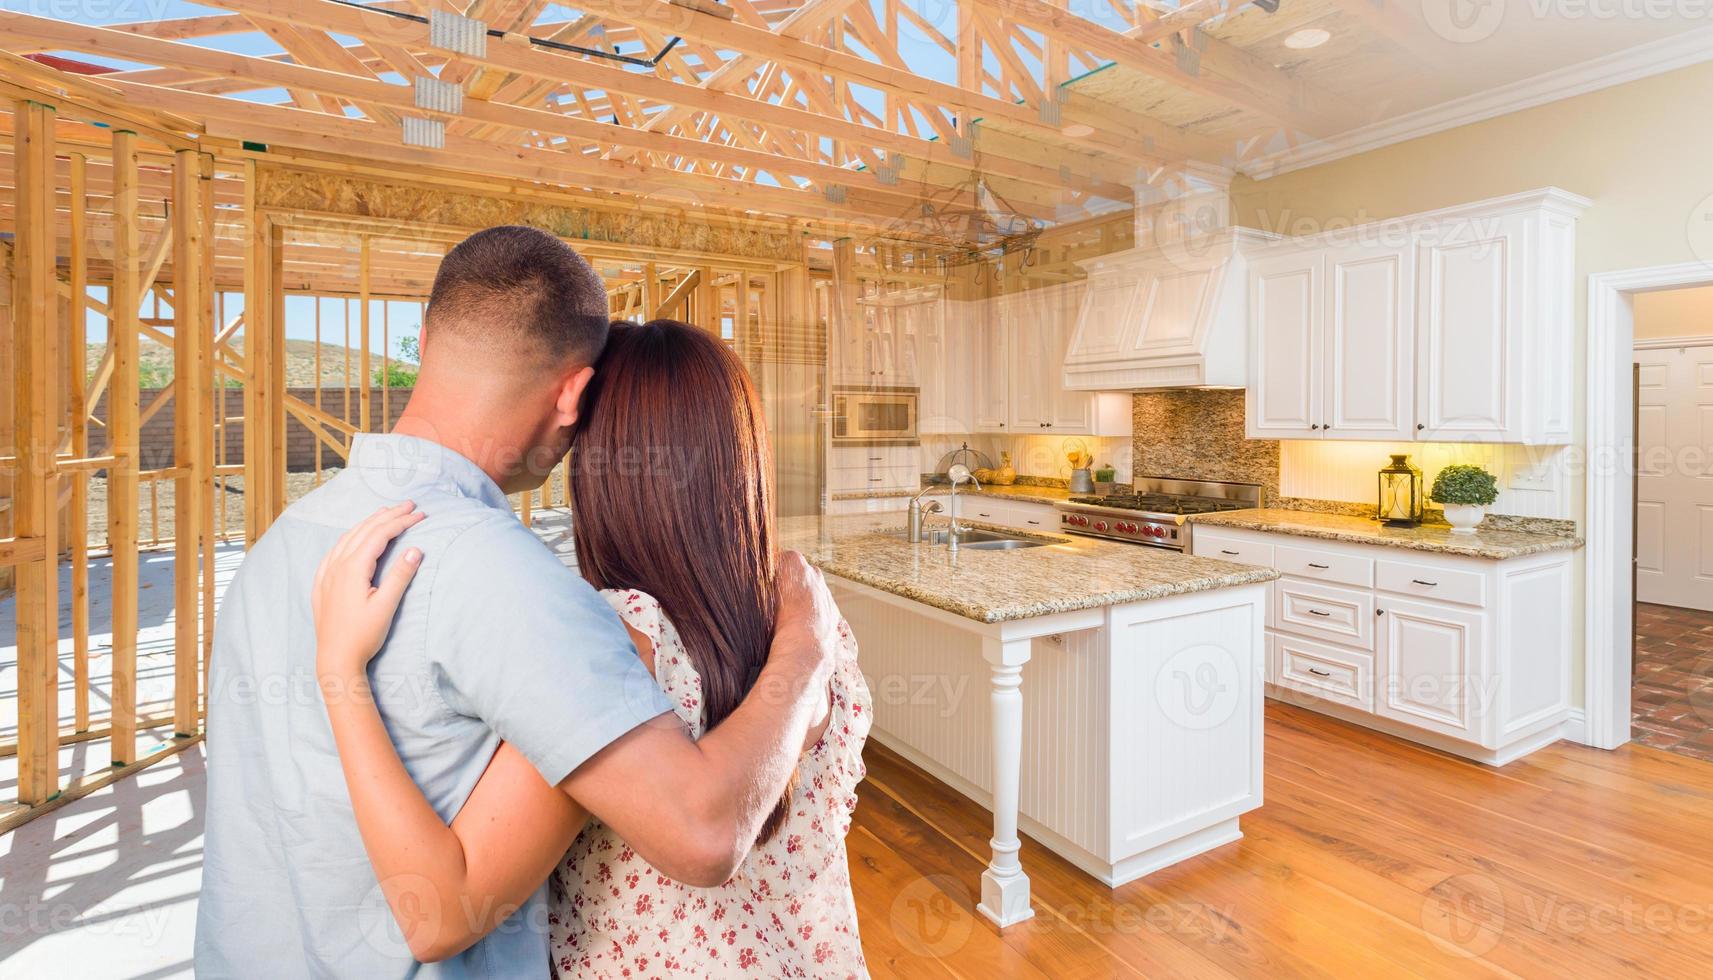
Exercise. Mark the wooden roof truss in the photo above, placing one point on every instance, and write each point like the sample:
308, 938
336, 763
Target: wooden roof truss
810, 110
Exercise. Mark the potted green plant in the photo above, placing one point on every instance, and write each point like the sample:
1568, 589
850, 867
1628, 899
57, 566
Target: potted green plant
1464, 490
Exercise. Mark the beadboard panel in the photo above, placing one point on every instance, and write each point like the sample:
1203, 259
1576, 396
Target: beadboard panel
1204, 669
931, 693
1337, 470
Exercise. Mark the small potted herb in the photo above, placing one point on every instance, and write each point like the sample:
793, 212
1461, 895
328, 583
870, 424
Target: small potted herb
1465, 491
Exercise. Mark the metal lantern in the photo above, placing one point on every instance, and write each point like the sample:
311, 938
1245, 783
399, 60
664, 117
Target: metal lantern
1400, 503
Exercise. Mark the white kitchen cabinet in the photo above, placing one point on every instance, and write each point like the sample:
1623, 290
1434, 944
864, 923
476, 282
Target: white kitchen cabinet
990, 365
1430, 667
1038, 325
947, 397
1331, 343
1368, 350
1452, 325
1468, 655
882, 344
1286, 298
1028, 515
873, 468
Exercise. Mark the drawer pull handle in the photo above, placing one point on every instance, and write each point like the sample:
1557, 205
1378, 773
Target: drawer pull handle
1037, 523
1316, 564
1317, 612
1319, 673
1421, 582
1228, 551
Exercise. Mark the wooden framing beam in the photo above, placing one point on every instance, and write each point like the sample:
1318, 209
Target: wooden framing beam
77, 518
123, 431
190, 434
36, 433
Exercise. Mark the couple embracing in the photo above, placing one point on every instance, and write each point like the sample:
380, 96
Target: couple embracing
433, 750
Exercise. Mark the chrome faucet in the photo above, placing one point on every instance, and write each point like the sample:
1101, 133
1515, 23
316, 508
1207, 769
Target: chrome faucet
919, 512
959, 473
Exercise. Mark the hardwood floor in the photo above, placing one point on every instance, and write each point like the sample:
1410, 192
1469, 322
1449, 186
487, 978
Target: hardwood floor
1372, 857
1672, 696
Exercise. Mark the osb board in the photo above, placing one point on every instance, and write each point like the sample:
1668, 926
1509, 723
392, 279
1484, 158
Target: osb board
282, 189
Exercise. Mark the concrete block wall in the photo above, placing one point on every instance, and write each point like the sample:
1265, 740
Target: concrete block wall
156, 439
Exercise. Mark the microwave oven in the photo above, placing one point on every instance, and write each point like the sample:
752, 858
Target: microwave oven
874, 416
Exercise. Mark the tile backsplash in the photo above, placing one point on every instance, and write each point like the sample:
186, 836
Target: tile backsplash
1197, 434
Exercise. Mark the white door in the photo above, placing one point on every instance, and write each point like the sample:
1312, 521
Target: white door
1674, 479
1428, 666
1469, 310
1285, 301
1370, 309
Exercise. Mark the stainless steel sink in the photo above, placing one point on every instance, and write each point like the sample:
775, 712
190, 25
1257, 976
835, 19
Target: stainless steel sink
1002, 544
975, 539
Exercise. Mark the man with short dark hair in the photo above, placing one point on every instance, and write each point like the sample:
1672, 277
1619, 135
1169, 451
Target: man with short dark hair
495, 640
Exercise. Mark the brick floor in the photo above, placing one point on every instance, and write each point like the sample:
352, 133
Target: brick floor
1672, 695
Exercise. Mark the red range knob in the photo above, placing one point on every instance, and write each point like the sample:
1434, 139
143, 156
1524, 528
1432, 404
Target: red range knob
1100, 525
1158, 531
1082, 522
1128, 528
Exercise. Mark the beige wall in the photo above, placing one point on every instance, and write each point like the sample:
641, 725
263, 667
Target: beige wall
1674, 313
1640, 151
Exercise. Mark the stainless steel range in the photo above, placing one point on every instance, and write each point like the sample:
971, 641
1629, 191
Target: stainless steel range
1156, 512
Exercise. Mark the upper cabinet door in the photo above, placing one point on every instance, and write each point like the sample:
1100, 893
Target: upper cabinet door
1370, 311
1468, 322
1033, 382
943, 360
1069, 411
991, 364
1286, 305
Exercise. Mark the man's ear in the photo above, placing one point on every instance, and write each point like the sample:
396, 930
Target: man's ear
571, 396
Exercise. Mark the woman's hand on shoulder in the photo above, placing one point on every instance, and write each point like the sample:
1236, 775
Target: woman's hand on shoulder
353, 613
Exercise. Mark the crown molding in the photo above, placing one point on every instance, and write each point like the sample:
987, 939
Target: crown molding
1642, 61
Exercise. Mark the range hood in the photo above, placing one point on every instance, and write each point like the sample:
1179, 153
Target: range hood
1165, 316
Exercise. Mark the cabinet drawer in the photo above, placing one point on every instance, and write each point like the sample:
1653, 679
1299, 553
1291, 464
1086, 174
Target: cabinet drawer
882, 478
1325, 566
1325, 612
1329, 672
1429, 582
860, 457
1208, 544
989, 509
1032, 516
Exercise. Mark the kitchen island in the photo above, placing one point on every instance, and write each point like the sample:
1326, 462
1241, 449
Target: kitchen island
1122, 722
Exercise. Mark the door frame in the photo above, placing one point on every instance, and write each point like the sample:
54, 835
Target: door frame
1610, 504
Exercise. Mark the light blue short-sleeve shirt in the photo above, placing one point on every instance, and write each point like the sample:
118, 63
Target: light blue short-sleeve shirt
496, 639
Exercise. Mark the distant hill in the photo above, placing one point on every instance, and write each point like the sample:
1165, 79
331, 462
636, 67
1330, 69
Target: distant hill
155, 363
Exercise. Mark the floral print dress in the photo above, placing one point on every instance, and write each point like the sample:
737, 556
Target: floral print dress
788, 912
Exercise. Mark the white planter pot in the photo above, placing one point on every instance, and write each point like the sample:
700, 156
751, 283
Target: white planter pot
1464, 518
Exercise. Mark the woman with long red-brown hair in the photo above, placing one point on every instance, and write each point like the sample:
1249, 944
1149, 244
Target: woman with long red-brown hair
672, 495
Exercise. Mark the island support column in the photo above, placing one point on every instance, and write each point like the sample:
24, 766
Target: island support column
1004, 886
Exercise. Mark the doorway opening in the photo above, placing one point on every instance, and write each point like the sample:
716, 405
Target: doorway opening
1671, 692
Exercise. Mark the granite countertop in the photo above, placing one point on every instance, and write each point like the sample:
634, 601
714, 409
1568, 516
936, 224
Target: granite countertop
1042, 495
1491, 543
999, 586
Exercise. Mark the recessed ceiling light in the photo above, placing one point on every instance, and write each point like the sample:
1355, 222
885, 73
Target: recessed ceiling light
1308, 37
1077, 130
